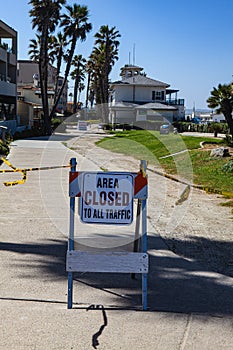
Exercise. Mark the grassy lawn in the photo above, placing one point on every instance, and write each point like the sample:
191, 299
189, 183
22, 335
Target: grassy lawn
194, 163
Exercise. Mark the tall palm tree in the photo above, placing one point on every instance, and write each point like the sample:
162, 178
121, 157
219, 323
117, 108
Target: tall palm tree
34, 49
75, 26
90, 70
222, 99
45, 16
107, 43
58, 52
78, 75
96, 86
97, 58
80, 89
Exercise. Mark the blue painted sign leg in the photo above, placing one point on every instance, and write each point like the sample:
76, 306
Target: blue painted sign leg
71, 239
144, 242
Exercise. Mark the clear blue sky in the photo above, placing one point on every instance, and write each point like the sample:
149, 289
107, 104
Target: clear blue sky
185, 43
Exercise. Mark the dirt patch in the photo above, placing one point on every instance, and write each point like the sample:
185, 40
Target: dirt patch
210, 146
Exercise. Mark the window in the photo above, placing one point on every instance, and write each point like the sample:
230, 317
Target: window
142, 112
158, 95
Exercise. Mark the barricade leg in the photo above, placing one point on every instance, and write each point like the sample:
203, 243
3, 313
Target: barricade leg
144, 242
144, 250
70, 290
71, 240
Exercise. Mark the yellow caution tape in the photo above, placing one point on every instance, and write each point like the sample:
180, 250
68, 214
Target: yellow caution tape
24, 172
184, 196
7, 163
17, 182
212, 190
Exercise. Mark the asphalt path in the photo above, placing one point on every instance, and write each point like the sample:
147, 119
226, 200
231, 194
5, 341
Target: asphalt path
189, 307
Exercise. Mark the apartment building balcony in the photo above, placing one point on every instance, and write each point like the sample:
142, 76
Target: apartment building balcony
7, 88
3, 55
11, 58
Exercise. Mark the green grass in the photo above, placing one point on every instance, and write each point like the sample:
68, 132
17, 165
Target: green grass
195, 163
208, 171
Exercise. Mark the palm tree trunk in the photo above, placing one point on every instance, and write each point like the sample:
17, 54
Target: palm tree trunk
229, 120
88, 88
227, 112
76, 84
67, 70
59, 60
43, 71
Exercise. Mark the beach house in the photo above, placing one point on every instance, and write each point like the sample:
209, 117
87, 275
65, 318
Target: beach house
137, 98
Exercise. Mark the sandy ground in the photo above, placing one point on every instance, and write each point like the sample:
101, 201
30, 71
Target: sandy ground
197, 229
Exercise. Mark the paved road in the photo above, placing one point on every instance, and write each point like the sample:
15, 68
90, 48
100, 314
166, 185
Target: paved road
189, 306
201, 134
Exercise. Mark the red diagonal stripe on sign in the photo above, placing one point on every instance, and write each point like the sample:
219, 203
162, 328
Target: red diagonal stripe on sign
139, 182
73, 175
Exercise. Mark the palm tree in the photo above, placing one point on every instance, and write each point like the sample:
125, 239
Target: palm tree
107, 43
222, 99
75, 27
80, 89
89, 70
45, 16
58, 52
78, 75
96, 86
93, 76
34, 49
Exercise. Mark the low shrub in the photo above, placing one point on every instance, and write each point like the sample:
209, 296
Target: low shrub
28, 133
229, 140
5, 145
228, 167
210, 127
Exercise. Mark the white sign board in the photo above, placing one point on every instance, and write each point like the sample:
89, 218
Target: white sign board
82, 125
107, 198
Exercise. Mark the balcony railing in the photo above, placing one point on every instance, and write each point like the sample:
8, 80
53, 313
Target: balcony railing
8, 89
175, 102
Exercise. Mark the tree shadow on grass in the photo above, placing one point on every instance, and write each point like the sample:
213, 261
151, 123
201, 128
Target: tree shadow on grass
175, 284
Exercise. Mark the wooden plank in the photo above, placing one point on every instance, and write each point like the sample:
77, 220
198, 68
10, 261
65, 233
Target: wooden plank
122, 262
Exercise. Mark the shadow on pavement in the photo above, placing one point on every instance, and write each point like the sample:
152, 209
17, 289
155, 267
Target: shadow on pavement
95, 337
175, 284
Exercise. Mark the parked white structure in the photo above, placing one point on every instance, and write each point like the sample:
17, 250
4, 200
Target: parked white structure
137, 97
211, 117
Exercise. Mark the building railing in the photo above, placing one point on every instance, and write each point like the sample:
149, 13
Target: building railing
176, 102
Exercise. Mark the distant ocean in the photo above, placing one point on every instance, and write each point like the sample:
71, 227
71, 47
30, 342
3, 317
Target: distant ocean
189, 111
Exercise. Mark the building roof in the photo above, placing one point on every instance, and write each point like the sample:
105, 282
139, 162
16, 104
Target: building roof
157, 105
123, 105
131, 68
171, 91
5, 30
140, 80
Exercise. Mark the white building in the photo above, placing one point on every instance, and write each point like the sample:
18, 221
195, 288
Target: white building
211, 117
137, 97
29, 93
